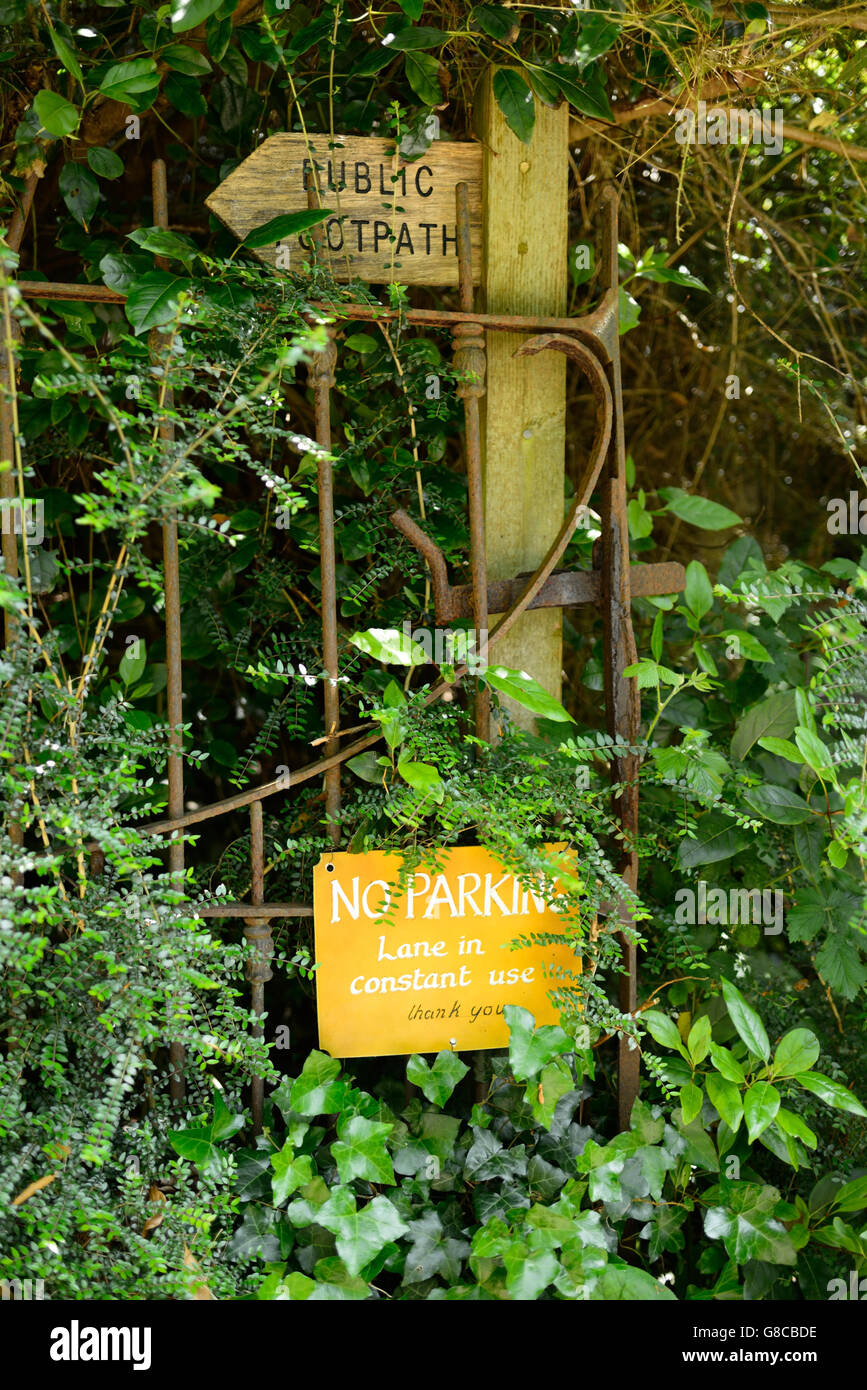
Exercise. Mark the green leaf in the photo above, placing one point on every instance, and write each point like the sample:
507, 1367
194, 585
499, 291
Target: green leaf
727, 1064
161, 242
360, 1235
791, 1123
291, 1171
796, 1052
182, 58
698, 1042
418, 37
515, 100
124, 81
133, 662
361, 343
526, 691
530, 1051
187, 14
775, 716
80, 191
496, 21
287, 224
437, 1082
747, 1226
852, 1196
813, 750
831, 1092
698, 511
105, 163
587, 96
153, 299
66, 54
761, 1103
388, 645
317, 1090
691, 1100
412, 8
663, 1030
56, 115
698, 591
543, 1092
625, 1283
839, 961
782, 748
717, 838
725, 1097
778, 804
748, 1025
422, 74
185, 95
360, 1151
628, 311
749, 646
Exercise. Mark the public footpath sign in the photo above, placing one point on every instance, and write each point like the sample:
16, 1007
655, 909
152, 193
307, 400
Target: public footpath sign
392, 219
429, 966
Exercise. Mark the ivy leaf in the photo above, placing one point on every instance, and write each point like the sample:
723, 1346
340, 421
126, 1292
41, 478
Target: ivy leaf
748, 1025
725, 1097
437, 1082
187, 14
796, 1052
747, 1226
526, 691
287, 224
515, 100
545, 1091
698, 511
360, 1151
360, 1235
761, 1103
153, 299
422, 74
317, 1090
57, 116
622, 1282
80, 191
529, 1051
831, 1092
290, 1172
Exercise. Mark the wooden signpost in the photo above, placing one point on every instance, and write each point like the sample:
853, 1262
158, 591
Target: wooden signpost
394, 220
430, 967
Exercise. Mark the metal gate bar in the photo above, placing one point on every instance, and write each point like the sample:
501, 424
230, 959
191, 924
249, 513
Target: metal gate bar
593, 339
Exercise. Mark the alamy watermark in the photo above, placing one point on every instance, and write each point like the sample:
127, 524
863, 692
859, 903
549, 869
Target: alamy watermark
728, 125
445, 646
25, 519
730, 907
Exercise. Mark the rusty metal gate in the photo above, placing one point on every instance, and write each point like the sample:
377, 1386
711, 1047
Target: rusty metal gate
592, 341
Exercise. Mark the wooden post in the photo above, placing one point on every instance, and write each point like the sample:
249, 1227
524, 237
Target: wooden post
524, 271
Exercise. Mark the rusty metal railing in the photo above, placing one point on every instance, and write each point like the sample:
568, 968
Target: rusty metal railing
592, 342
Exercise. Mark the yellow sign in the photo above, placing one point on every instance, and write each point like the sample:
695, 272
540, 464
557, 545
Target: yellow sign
429, 967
